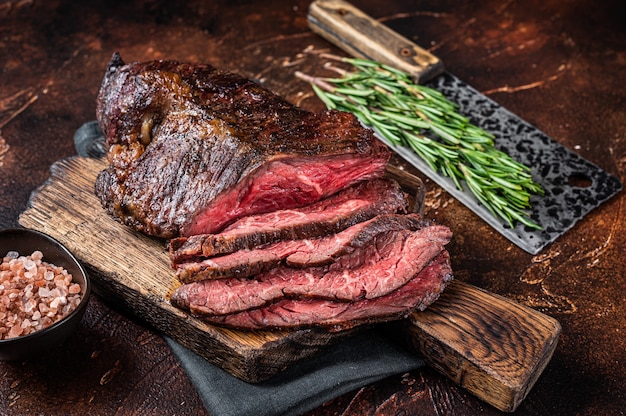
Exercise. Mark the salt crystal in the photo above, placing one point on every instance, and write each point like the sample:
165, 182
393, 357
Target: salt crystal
28, 307
12, 254
30, 265
15, 331
16, 266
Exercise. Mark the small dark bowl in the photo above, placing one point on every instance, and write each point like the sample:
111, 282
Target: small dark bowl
25, 242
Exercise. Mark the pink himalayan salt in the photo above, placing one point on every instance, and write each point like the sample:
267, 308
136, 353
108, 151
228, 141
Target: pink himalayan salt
33, 294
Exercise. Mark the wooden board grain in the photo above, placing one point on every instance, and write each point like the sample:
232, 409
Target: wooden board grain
490, 345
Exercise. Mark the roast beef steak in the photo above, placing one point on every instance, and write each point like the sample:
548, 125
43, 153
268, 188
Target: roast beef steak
417, 294
276, 217
300, 253
387, 262
192, 148
357, 203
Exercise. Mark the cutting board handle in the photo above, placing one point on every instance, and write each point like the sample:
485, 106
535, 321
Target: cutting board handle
491, 346
360, 35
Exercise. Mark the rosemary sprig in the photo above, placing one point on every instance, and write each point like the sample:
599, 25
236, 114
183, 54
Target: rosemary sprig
421, 118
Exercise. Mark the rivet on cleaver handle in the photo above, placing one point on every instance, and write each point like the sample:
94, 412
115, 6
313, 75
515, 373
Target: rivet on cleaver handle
361, 36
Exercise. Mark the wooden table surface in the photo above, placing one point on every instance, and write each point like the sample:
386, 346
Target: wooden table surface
560, 65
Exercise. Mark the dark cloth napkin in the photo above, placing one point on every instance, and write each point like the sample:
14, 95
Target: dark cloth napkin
353, 362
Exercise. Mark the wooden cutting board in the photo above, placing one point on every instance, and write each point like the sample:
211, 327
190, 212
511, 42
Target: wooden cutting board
492, 346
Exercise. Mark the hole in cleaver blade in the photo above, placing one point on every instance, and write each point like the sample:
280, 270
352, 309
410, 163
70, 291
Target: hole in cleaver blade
573, 186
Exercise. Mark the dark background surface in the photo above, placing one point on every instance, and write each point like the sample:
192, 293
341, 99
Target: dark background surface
561, 65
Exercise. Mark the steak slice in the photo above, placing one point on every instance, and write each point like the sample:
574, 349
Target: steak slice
344, 209
192, 148
417, 294
298, 253
368, 272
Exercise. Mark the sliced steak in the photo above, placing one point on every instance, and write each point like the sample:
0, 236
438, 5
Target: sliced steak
300, 253
344, 209
192, 148
327, 250
417, 294
368, 272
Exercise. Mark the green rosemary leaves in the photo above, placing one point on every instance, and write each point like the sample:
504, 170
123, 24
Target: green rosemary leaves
421, 118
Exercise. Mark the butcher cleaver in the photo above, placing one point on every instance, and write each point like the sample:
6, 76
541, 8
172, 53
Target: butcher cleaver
573, 186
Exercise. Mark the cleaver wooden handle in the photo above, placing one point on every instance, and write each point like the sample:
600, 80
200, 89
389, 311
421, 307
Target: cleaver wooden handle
361, 36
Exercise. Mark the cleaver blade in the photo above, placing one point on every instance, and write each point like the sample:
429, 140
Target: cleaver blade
573, 186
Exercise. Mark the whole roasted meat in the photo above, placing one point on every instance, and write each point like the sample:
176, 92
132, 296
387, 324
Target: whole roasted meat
192, 148
276, 217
